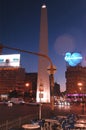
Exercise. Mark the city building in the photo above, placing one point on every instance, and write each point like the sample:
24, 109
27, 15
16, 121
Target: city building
76, 79
75, 75
11, 78
14, 77
15, 82
31, 83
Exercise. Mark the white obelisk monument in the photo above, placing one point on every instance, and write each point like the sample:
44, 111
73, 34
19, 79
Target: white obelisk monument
43, 84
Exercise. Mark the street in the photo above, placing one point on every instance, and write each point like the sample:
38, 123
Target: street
19, 110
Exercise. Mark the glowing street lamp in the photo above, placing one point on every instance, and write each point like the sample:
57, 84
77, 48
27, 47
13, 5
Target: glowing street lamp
51, 68
27, 84
80, 84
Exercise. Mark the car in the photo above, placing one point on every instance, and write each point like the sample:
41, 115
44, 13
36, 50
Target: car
64, 103
17, 100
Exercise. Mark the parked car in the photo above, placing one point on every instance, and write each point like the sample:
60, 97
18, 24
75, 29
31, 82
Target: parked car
17, 100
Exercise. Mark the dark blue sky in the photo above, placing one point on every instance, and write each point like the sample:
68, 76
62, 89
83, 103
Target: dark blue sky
20, 28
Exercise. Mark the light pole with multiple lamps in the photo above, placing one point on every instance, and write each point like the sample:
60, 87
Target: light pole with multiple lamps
51, 68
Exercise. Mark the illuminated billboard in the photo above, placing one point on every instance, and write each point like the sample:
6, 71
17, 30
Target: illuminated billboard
11, 60
73, 59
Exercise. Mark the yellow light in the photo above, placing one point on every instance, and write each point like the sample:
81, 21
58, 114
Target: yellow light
27, 84
80, 84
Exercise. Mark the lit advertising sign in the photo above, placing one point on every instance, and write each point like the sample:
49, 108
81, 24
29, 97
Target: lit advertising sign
73, 59
11, 60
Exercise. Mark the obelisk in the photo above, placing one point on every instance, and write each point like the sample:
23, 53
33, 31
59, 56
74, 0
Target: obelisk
43, 84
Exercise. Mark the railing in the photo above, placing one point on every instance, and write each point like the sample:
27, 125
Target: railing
82, 116
17, 122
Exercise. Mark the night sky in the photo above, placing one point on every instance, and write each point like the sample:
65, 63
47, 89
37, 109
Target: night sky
20, 28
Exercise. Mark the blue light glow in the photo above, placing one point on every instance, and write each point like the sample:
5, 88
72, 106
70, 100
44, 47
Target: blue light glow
73, 59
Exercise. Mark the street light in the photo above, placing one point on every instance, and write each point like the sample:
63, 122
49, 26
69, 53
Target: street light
51, 68
27, 85
80, 84
51, 71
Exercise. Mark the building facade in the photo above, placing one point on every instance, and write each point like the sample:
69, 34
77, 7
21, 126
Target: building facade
17, 79
11, 78
75, 80
31, 83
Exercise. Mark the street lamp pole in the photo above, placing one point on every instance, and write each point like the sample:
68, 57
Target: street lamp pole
42, 55
80, 84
